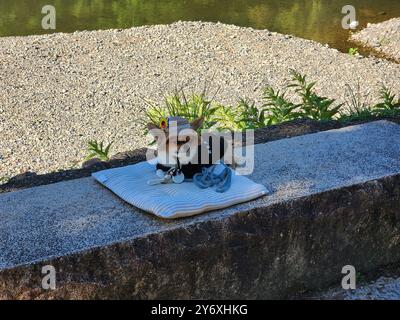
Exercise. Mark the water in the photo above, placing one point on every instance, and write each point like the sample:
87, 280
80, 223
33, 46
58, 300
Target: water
319, 20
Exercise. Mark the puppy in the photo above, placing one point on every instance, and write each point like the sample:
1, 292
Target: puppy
173, 135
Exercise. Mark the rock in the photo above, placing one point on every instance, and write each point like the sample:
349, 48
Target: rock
334, 201
384, 288
23, 176
91, 163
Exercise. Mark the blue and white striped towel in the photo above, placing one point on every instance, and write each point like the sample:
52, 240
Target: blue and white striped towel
172, 201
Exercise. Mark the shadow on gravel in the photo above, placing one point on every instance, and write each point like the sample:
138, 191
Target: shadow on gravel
267, 134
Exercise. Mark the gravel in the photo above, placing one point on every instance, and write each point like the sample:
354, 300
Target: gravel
385, 288
382, 37
59, 91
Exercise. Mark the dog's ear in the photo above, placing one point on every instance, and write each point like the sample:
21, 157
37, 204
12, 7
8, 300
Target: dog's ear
197, 124
151, 126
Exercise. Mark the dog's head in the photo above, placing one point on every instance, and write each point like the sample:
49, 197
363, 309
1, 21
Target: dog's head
167, 136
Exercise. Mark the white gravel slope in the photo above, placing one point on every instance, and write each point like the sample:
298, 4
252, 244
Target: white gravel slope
382, 37
58, 91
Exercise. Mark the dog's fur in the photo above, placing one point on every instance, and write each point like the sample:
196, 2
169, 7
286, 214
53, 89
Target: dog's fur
190, 169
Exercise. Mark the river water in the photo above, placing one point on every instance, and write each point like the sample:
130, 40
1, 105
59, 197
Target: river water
319, 20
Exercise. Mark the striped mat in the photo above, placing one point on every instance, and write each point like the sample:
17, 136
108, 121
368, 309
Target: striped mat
171, 201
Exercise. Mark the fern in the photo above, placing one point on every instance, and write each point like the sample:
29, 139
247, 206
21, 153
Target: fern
389, 106
313, 106
278, 109
97, 150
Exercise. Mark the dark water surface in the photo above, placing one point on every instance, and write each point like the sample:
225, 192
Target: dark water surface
319, 20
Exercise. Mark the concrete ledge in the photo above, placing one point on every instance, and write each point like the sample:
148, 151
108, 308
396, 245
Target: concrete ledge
336, 201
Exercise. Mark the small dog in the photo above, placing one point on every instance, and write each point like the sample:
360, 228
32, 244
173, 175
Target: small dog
169, 145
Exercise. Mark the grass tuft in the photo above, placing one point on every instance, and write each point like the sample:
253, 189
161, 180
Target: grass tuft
97, 150
193, 107
278, 108
313, 106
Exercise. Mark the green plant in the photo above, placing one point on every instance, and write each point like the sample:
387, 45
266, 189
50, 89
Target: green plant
278, 109
313, 106
4, 179
360, 277
353, 51
97, 150
244, 116
357, 106
389, 106
250, 116
227, 118
191, 108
